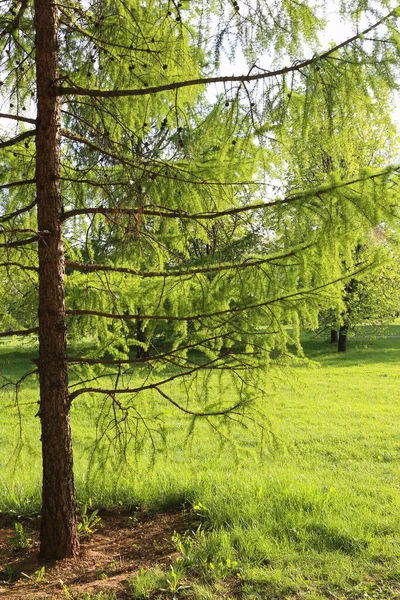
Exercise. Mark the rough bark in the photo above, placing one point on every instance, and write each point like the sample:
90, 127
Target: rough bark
59, 537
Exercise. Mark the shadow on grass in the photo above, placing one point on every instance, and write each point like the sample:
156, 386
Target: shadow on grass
325, 538
14, 363
370, 345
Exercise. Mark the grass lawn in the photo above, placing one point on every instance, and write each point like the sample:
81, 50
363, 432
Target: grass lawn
304, 503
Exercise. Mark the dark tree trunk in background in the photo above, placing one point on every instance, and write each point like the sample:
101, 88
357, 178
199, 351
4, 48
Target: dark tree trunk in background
59, 537
349, 292
334, 336
342, 343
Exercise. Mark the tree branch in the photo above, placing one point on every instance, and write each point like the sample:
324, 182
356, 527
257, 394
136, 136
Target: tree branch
97, 93
198, 414
18, 138
20, 242
144, 166
72, 26
111, 361
171, 213
153, 386
300, 294
19, 265
15, 22
19, 332
13, 231
20, 211
188, 272
17, 118
6, 186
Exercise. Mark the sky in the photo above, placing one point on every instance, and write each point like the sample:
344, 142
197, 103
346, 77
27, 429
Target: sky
337, 31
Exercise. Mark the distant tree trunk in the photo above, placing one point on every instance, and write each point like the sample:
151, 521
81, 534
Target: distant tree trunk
342, 343
59, 537
334, 336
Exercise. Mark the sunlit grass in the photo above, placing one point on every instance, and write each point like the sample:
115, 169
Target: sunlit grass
306, 507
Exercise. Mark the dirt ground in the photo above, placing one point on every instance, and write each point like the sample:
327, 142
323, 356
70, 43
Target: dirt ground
121, 544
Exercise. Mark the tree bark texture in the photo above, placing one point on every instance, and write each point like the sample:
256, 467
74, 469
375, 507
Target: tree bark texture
59, 538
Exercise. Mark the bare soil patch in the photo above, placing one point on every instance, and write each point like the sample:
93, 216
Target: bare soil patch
121, 544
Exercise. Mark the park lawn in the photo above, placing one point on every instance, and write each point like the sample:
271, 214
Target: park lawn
301, 502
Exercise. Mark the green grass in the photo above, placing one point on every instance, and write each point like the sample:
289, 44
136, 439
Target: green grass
307, 507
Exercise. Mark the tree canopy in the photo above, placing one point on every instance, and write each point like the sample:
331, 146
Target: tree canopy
152, 202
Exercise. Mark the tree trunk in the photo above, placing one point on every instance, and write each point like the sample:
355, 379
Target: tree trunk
334, 336
342, 343
59, 537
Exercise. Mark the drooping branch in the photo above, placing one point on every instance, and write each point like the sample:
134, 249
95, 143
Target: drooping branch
6, 186
300, 295
215, 413
143, 359
17, 118
72, 25
297, 67
19, 265
156, 386
18, 138
163, 211
102, 183
250, 262
20, 211
169, 355
19, 332
143, 167
148, 167
17, 243
15, 23
18, 230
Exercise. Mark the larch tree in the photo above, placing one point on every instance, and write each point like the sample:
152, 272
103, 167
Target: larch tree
373, 296
139, 193
340, 143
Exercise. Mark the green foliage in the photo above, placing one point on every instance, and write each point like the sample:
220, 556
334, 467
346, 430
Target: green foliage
174, 580
88, 522
172, 161
9, 574
68, 595
38, 577
373, 295
21, 539
146, 582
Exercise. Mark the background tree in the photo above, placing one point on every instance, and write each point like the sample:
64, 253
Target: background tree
374, 296
339, 144
154, 194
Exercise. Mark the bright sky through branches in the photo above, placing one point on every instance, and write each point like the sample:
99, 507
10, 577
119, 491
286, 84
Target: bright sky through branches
337, 30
